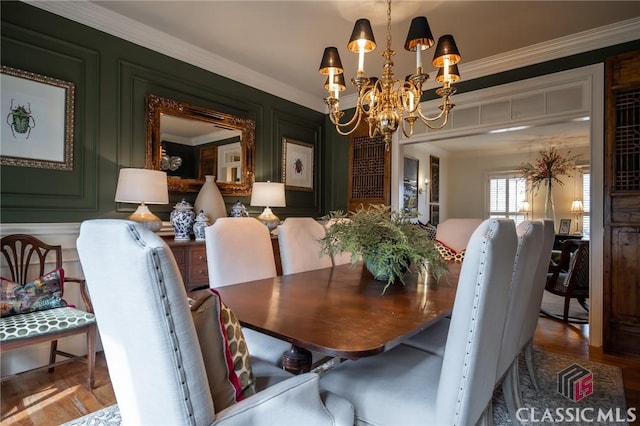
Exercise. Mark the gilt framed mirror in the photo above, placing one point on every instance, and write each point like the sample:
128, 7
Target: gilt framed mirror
190, 142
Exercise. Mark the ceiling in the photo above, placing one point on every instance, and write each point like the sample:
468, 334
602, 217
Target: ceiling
276, 46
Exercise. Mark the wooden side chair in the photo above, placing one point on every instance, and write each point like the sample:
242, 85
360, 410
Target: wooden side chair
572, 283
32, 294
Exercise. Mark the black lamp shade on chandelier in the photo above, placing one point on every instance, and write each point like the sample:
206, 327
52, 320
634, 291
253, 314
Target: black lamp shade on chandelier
446, 51
362, 37
386, 103
419, 35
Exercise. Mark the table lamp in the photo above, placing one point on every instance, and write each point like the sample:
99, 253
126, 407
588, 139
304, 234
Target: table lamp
143, 186
576, 209
525, 208
267, 195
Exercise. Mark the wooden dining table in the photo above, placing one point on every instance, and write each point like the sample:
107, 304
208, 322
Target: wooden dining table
340, 311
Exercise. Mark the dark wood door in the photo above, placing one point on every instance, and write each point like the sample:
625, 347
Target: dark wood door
622, 205
369, 170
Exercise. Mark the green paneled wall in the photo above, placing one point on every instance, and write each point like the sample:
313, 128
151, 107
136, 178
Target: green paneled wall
112, 78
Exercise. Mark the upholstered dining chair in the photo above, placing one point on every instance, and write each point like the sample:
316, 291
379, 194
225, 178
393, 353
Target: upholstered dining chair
406, 385
239, 249
533, 307
572, 283
300, 249
338, 258
530, 239
33, 307
156, 362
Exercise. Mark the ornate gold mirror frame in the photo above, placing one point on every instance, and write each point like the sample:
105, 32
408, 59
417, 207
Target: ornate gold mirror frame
158, 106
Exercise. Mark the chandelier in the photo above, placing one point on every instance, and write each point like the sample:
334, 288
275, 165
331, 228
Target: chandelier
386, 103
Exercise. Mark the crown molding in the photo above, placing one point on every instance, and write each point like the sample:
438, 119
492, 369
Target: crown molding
120, 26
97, 17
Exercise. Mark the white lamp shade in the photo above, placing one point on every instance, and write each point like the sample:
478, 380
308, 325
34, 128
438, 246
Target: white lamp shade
268, 194
576, 207
525, 207
142, 186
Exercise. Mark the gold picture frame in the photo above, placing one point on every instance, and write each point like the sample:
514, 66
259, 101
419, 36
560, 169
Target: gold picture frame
38, 120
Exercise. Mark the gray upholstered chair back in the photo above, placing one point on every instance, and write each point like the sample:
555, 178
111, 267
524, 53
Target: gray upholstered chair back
300, 249
150, 343
540, 279
239, 249
530, 239
473, 343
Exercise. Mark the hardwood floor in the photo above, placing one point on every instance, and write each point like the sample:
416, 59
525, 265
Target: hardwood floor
51, 399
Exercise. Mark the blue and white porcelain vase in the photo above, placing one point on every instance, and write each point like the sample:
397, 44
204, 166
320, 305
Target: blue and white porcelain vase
182, 218
238, 210
202, 221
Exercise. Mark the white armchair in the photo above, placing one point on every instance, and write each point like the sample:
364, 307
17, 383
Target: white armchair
154, 358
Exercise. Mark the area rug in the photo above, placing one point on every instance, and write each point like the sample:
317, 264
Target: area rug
554, 305
550, 407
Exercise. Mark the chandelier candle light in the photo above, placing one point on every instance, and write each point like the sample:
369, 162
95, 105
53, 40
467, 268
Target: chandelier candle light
386, 103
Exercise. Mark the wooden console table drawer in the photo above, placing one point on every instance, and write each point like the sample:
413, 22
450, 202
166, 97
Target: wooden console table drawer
191, 257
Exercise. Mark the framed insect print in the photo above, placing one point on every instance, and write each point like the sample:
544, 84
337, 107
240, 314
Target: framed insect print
297, 165
37, 120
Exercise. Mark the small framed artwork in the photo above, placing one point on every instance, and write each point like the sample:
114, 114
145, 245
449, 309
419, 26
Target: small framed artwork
37, 126
297, 165
434, 178
565, 226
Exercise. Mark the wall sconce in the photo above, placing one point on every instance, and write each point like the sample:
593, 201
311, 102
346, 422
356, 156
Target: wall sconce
143, 186
525, 208
267, 195
426, 183
577, 209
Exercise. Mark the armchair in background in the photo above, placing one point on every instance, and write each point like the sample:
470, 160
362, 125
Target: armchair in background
569, 277
33, 308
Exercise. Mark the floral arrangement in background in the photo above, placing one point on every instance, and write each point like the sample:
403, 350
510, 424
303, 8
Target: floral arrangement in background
549, 166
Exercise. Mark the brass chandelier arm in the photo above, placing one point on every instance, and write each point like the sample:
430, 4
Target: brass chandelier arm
387, 104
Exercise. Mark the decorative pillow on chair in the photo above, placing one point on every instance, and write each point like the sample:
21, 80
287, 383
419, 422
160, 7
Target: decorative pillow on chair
431, 230
40, 294
449, 254
223, 349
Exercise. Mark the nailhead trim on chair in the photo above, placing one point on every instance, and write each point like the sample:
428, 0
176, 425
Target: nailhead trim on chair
172, 332
43, 322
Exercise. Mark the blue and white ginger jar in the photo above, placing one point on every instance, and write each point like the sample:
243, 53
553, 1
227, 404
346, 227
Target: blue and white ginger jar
202, 221
182, 218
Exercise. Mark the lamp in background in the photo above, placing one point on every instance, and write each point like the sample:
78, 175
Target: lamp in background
267, 195
143, 186
577, 209
525, 208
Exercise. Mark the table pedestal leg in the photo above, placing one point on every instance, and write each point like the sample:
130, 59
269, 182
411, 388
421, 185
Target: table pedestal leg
296, 360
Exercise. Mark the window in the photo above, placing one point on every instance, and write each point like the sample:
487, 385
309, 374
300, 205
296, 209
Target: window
507, 191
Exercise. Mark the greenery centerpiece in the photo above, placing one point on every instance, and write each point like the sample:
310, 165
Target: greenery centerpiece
385, 240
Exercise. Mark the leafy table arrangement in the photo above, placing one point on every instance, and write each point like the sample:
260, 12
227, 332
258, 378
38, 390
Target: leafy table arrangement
385, 240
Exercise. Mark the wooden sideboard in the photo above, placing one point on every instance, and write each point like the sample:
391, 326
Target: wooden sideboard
191, 257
